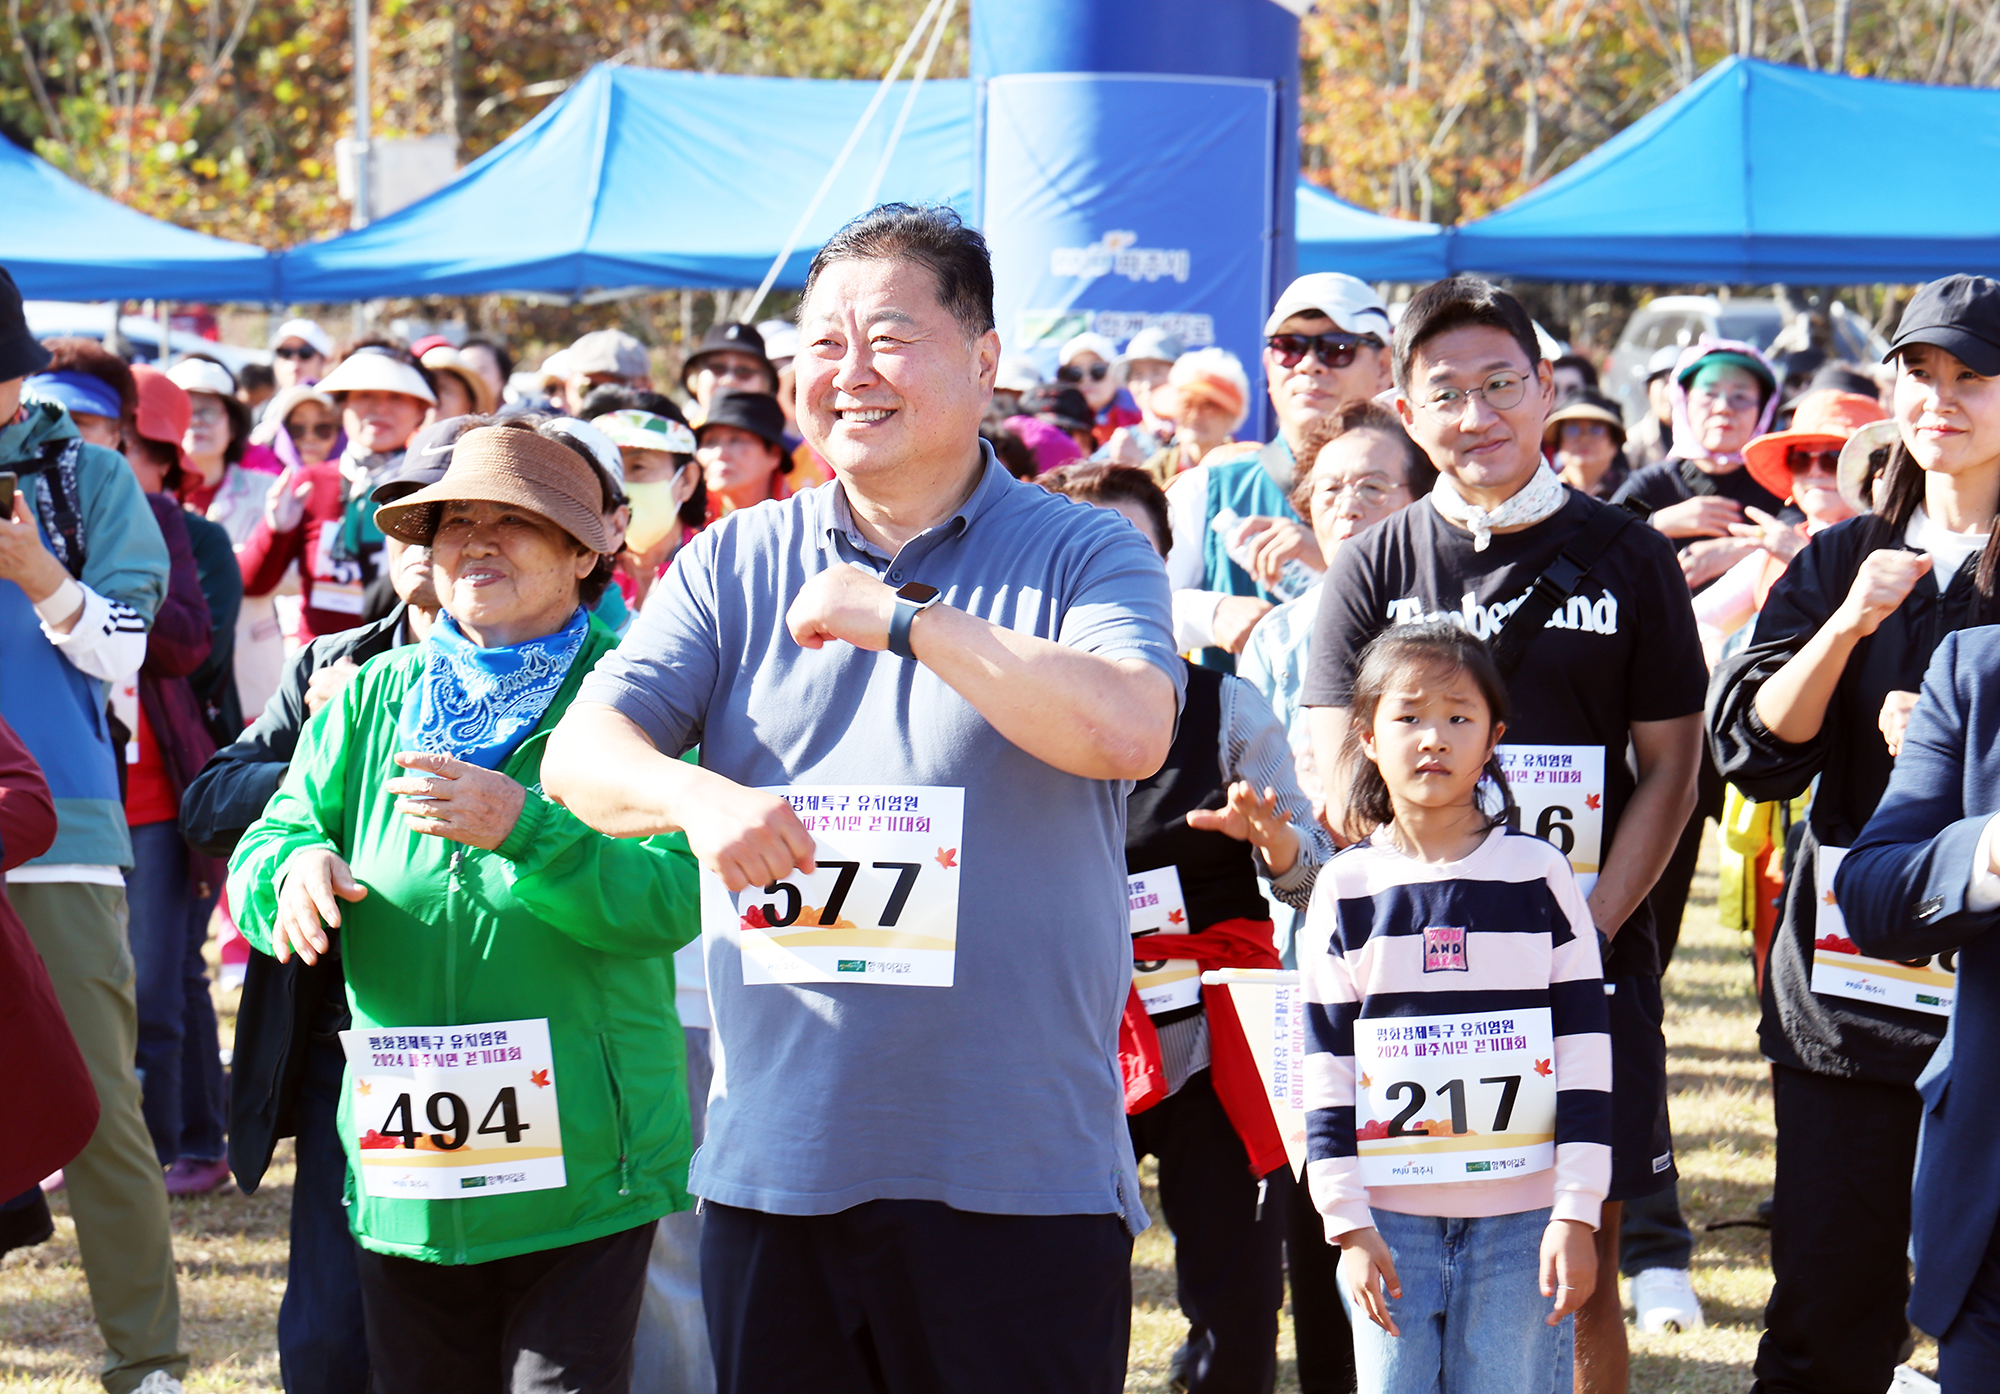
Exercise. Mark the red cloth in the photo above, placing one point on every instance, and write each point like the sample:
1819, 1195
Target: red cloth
149, 794
1227, 944
52, 1110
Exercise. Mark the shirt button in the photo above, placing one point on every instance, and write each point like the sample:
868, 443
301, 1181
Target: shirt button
895, 575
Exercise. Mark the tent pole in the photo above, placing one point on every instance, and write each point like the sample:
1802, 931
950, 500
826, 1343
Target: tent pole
362, 116
840, 160
909, 102
165, 357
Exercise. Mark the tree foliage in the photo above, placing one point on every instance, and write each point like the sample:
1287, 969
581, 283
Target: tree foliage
222, 114
1448, 109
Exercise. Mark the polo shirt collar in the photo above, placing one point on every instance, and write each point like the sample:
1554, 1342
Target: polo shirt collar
994, 480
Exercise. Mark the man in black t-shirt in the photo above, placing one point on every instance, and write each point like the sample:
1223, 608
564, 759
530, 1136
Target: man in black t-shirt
1617, 665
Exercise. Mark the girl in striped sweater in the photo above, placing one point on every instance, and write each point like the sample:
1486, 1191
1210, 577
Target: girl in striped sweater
1458, 1068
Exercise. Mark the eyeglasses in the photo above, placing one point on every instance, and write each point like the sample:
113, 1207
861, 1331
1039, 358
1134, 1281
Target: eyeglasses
1802, 461
306, 352
1502, 392
1069, 372
1332, 350
314, 430
1585, 428
207, 412
1369, 493
736, 372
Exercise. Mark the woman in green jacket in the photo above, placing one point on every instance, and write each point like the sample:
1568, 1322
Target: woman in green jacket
514, 1114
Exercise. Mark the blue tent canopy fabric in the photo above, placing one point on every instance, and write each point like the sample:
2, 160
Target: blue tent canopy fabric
645, 178
61, 241
1334, 235
1760, 172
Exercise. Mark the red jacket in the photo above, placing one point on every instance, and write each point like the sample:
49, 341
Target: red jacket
51, 1104
330, 587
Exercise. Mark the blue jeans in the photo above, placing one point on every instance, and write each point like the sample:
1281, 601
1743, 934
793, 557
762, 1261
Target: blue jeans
322, 1342
179, 1059
1472, 1313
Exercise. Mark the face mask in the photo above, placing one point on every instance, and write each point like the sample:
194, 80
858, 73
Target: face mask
656, 507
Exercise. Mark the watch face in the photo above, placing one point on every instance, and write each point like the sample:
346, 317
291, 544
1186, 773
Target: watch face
917, 593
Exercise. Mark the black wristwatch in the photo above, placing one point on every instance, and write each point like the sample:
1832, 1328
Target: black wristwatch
911, 600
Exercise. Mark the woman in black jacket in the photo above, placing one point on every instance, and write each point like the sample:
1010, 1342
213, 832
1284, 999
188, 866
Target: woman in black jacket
1823, 691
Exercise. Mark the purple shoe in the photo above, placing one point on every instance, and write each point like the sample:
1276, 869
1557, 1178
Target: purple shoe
190, 1176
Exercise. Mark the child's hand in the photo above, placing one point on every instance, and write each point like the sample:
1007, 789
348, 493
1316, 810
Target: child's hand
1569, 1265
1254, 818
1366, 1267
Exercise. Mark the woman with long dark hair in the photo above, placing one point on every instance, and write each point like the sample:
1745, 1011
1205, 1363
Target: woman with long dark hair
1823, 692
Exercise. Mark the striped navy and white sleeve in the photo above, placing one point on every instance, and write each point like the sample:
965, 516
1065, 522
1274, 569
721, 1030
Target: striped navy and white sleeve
1582, 1028
1333, 1003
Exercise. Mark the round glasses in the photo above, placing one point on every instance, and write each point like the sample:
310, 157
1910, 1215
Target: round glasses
1502, 392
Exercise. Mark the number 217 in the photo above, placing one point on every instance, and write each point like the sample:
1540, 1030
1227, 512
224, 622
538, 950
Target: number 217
1453, 1089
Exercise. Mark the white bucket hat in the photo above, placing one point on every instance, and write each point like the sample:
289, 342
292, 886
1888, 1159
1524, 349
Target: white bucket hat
371, 369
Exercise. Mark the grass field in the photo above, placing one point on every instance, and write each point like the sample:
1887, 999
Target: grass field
232, 1247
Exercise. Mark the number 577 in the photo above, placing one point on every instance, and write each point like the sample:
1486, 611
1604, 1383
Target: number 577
1453, 1089
892, 910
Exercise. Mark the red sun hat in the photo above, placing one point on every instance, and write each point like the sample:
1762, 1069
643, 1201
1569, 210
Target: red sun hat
164, 408
1823, 421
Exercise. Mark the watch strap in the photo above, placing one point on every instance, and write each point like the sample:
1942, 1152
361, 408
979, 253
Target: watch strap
899, 627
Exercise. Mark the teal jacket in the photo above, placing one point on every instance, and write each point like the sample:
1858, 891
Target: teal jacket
559, 922
57, 709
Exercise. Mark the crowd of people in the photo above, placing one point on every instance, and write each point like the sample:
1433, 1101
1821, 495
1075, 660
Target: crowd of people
736, 878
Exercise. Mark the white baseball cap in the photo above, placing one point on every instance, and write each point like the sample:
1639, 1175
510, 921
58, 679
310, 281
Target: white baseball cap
1017, 373
1086, 343
555, 368
371, 369
1352, 305
781, 340
202, 375
321, 341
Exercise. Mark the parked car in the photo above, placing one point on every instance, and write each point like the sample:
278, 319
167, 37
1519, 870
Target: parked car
49, 319
1682, 319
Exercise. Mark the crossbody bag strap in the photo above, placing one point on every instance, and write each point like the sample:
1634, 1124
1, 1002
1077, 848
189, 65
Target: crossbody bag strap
1700, 484
1553, 588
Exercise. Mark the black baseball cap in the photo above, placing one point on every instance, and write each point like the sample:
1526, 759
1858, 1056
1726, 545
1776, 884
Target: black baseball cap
755, 412
1959, 314
425, 459
1059, 406
21, 354
730, 338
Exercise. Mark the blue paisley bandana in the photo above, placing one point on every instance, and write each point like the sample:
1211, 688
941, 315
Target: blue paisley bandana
478, 705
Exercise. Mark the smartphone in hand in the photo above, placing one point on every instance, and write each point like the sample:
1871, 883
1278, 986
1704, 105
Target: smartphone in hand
8, 479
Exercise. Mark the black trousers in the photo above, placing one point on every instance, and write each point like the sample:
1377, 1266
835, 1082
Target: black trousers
1319, 1322
912, 1296
557, 1320
1840, 1234
1229, 1234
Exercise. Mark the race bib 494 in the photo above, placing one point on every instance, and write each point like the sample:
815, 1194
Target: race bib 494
880, 905
454, 1112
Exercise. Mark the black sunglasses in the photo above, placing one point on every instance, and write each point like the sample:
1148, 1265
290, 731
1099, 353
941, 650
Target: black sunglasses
1333, 350
1069, 372
307, 352
1799, 460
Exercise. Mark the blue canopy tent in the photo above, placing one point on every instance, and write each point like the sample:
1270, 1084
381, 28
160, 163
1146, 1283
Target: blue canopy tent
644, 178
1334, 235
60, 241
1764, 173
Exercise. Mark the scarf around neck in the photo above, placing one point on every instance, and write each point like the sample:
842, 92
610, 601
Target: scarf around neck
1541, 497
477, 704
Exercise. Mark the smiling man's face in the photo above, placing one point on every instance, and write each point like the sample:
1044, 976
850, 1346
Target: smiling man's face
888, 379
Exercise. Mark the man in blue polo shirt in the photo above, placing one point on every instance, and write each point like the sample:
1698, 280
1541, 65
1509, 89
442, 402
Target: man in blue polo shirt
921, 695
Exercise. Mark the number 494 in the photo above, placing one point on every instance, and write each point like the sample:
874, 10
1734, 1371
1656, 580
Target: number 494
449, 1115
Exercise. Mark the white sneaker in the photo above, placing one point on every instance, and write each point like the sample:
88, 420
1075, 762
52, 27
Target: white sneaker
1663, 1300
1908, 1381
158, 1382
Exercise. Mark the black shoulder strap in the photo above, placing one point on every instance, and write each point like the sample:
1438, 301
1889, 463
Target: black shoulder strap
1555, 586
1700, 484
